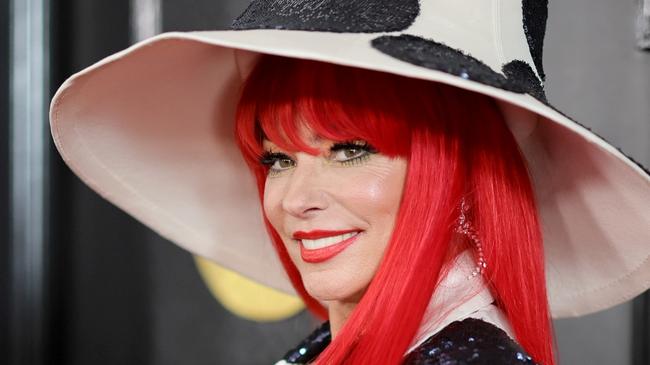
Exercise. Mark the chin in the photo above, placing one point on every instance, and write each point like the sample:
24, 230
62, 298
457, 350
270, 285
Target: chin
332, 288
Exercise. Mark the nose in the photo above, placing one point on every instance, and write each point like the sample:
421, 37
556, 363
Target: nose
305, 195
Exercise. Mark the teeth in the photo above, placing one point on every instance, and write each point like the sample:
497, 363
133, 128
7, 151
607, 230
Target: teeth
327, 241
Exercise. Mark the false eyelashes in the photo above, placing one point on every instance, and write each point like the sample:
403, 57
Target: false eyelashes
353, 144
268, 158
346, 153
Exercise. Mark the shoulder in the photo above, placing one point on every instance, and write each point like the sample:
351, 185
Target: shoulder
309, 348
470, 341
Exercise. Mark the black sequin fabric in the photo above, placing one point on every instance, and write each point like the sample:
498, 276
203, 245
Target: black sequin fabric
518, 75
470, 341
311, 346
535, 13
359, 16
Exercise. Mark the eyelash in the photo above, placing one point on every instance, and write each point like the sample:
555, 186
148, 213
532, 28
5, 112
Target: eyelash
269, 158
363, 145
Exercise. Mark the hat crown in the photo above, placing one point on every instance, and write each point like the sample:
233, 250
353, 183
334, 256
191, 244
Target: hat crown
511, 29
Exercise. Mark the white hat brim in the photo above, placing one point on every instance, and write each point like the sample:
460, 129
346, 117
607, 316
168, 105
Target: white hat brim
151, 130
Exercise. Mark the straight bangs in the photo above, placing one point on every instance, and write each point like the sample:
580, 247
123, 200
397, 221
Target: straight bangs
327, 100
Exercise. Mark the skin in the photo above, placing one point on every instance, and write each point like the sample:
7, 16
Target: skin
329, 191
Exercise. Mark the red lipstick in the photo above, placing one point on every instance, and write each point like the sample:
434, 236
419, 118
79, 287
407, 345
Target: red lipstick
316, 234
325, 253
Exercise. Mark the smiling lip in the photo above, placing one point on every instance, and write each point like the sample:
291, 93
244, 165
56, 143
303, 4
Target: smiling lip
325, 253
316, 234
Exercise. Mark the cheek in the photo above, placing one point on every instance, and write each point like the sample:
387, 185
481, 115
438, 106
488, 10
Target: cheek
377, 202
376, 194
272, 202
371, 196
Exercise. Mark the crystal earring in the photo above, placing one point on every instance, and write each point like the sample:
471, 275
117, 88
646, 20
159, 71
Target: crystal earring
466, 228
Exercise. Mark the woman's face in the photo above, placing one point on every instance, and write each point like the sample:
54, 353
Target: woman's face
334, 211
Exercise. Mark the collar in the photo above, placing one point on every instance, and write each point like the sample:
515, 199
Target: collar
458, 296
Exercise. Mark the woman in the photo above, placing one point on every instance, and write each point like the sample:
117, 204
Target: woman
429, 194
331, 146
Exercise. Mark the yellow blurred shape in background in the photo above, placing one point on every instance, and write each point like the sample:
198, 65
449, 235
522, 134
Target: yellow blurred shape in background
245, 298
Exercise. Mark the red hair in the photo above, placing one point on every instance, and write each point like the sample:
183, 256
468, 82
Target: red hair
457, 145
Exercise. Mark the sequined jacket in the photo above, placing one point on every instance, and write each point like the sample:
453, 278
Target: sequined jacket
470, 341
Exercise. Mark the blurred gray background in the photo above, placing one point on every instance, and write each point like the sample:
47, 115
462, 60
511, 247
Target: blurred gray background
82, 283
595, 74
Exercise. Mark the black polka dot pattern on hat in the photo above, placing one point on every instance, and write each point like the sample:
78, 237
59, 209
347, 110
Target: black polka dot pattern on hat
517, 75
535, 13
359, 16
378, 16
521, 75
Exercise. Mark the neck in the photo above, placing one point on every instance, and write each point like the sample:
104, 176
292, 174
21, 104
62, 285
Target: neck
459, 295
339, 312
454, 296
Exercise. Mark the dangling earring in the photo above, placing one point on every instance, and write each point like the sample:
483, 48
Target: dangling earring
466, 228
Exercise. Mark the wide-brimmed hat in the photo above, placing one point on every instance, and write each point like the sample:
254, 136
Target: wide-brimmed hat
151, 130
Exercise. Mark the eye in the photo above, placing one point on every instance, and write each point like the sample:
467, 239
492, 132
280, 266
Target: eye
277, 162
346, 152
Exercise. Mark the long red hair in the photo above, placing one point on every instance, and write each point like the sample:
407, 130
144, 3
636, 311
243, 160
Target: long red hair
457, 145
